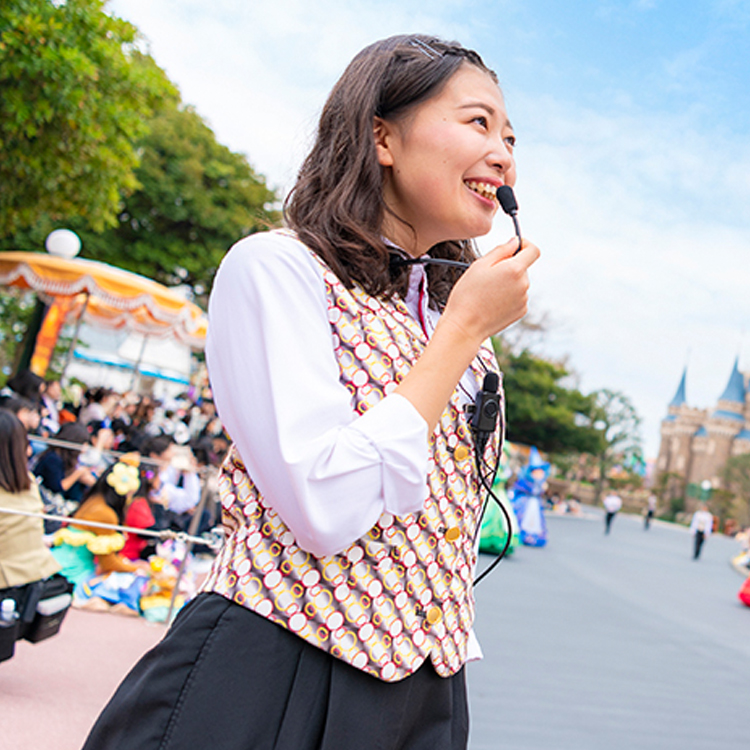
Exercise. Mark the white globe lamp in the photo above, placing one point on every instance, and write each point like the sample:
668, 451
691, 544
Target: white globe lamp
63, 243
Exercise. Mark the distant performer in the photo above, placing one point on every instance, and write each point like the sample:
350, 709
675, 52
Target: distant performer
701, 527
612, 504
650, 511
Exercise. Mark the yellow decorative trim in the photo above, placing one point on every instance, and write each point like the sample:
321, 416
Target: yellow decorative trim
73, 537
106, 544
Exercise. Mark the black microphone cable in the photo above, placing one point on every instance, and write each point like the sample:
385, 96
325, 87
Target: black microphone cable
506, 516
486, 408
485, 413
396, 261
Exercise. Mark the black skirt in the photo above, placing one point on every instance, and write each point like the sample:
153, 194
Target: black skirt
227, 679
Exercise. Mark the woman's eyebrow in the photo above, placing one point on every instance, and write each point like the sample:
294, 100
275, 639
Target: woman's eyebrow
487, 108
470, 105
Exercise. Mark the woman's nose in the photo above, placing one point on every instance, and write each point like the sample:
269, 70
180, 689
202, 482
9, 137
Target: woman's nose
501, 157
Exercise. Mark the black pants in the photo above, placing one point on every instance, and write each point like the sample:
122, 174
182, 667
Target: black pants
700, 537
647, 520
608, 521
224, 677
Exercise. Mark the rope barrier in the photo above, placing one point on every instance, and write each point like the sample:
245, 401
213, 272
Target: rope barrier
80, 447
165, 534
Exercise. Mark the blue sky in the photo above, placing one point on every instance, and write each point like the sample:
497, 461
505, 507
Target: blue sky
634, 157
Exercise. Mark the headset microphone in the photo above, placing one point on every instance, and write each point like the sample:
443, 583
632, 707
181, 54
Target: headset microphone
507, 201
485, 412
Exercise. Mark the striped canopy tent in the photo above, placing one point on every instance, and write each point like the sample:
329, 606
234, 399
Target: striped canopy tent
106, 296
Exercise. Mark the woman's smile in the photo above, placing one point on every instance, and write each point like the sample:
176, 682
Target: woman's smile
444, 161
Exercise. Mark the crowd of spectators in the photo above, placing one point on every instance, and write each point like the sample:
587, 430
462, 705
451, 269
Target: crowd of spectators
180, 442
103, 460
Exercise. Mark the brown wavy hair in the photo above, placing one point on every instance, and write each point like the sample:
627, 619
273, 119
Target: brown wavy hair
14, 472
336, 206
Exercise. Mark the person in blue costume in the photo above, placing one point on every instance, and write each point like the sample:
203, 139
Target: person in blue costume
527, 500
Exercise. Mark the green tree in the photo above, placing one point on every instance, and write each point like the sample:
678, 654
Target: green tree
196, 198
541, 411
16, 309
668, 486
74, 97
736, 476
618, 424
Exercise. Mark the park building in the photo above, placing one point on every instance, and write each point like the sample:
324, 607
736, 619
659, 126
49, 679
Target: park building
696, 443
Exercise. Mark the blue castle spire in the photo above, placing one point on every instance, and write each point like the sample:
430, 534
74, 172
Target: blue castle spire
733, 396
735, 390
680, 398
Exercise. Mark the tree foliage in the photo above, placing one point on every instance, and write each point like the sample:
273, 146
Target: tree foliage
736, 475
541, 411
74, 97
196, 198
618, 423
16, 309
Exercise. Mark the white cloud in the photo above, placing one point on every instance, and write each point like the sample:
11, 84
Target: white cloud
641, 216
260, 71
641, 259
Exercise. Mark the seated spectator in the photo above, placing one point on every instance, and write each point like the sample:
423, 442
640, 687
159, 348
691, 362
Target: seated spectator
144, 417
84, 551
102, 440
24, 558
25, 410
177, 485
201, 418
139, 515
100, 403
51, 403
58, 468
120, 432
25, 384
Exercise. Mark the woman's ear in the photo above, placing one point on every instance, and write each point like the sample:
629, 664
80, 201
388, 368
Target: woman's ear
382, 134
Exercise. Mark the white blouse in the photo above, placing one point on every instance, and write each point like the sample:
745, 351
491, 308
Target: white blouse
327, 471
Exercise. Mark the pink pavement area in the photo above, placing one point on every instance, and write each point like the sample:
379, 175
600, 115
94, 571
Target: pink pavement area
52, 692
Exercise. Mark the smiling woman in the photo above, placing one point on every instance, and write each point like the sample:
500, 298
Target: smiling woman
445, 162
339, 612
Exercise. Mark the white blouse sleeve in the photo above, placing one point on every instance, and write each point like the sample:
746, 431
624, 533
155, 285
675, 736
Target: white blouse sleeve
328, 472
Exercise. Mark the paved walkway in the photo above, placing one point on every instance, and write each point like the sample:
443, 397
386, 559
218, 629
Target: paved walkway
618, 642
51, 692
591, 643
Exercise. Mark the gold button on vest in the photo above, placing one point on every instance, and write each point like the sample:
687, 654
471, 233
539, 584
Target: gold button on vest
452, 534
461, 453
434, 615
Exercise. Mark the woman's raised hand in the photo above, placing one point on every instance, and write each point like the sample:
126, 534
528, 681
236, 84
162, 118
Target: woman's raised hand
493, 293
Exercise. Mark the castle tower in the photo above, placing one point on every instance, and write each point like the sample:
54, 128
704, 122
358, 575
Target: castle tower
715, 442
677, 430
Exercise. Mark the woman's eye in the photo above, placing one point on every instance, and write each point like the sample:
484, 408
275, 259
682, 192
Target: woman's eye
481, 119
510, 141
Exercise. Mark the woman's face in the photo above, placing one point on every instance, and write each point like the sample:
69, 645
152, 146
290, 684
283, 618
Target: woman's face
29, 418
444, 162
105, 439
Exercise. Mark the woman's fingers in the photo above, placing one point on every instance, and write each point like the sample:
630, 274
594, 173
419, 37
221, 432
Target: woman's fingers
528, 253
493, 293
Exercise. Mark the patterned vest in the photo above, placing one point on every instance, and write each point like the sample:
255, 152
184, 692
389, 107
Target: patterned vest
403, 591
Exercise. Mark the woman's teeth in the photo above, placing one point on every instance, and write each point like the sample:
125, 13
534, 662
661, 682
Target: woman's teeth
483, 188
